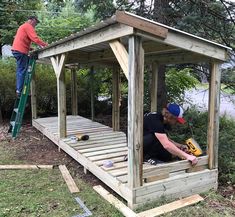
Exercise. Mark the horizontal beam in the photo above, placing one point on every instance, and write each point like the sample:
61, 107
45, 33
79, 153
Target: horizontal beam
189, 43
109, 33
144, 25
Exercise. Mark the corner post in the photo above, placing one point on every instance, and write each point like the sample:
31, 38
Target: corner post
92, 93
115, 99
213, 115
74, 94
33, 97
58, 63
135, 111
154, 82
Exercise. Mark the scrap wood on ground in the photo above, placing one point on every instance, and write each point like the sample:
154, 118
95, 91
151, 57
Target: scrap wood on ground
148, 213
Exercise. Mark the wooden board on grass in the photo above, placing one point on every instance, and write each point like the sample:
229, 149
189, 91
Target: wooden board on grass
25, 166
171, 206
68, 179
126, 211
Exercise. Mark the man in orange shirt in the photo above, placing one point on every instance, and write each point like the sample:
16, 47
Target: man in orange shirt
21, 46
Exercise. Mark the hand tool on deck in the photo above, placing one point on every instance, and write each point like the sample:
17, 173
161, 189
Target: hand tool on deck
82, 137
193, 147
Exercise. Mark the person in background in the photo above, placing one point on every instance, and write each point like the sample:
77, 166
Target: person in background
25, 35
156, 144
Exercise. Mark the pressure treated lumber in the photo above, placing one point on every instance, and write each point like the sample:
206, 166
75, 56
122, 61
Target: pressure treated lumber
213, 119
159, 31
121, 54
154, 85
114, 201
58, 63
25, 166
116, 99
68, 179
135, 111
33, 97
74, 92
171, 206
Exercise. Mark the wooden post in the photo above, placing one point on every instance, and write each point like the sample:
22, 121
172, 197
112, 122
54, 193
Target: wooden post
135, 112
154, 83
58, 63
33, 97
116, 97
74, 94
213, 115
92, 93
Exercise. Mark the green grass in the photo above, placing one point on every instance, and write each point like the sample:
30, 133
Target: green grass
44, 193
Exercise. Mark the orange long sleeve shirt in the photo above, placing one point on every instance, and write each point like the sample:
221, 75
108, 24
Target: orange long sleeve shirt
25, 35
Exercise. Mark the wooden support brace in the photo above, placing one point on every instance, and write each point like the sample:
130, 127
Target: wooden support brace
68, 179
58, 64
121, 54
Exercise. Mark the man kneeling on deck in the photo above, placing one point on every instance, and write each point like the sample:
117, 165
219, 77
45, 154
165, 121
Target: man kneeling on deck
157, 146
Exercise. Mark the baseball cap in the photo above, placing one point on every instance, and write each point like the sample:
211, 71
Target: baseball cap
33, 18
177, 111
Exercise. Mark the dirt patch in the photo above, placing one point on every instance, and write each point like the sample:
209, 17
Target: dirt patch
32, 147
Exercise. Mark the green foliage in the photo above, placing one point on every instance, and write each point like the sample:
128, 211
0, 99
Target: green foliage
196, 127
59, 25
7, 84
177, 82
226, 150
228, 78
13, 14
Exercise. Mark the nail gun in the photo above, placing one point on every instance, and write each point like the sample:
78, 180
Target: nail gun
193, 147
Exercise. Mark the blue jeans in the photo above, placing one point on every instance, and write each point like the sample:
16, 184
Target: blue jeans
21, 68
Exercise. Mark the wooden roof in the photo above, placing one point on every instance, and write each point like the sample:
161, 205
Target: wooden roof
160, 42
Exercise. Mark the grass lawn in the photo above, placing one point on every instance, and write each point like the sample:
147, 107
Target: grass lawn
43, 192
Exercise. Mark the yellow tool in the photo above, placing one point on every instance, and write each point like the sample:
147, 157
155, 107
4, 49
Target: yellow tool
193, 147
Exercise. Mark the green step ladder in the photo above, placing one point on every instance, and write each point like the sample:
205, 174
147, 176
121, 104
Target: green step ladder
20, 103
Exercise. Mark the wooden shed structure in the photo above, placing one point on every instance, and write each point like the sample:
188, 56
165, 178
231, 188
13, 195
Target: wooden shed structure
128, 41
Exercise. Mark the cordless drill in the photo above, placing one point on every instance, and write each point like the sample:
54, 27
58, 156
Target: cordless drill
193, 147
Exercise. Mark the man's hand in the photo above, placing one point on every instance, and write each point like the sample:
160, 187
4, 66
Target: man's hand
185, 149
193, 159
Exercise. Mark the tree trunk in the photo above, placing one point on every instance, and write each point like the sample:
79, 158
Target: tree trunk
159, 14
161, 90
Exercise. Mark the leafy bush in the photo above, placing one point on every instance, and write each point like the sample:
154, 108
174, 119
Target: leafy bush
197, 127
177, 82
7, 84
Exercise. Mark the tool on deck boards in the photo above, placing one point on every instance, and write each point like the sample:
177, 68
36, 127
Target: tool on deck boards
82, 137
20, 102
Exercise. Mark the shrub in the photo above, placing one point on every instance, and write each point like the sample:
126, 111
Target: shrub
197, 127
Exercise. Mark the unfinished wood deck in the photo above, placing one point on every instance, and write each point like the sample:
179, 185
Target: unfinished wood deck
106, 144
